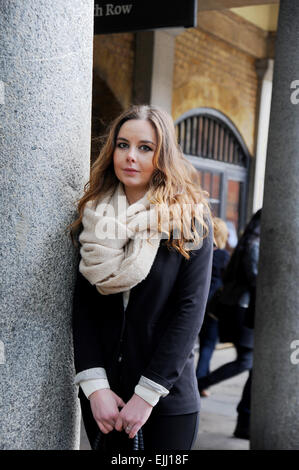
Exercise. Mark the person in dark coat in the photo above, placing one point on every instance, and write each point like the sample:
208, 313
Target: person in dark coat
230, 304
144, 271
242, 429
208, 336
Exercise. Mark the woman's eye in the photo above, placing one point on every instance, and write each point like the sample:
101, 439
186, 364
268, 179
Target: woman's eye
143, 148
146, 148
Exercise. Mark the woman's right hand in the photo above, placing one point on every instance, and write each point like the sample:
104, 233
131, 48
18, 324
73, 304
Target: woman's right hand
104, 405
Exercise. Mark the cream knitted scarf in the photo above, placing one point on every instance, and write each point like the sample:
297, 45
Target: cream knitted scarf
115, 253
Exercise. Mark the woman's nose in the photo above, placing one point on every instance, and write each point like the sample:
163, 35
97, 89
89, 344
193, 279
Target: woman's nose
131, 155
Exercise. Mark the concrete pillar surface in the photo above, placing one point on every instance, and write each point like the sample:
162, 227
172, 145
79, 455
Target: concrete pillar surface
45, 120
275, 389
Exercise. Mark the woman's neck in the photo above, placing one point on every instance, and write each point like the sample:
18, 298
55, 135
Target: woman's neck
133, 195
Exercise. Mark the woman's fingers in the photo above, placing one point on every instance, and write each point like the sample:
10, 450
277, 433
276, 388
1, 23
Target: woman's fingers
119, 423
108, 426
134, 430
104, 405
102, 427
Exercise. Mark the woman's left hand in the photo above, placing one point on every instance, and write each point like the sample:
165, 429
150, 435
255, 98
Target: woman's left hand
133, 415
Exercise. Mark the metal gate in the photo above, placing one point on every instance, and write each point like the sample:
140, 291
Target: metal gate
213, 144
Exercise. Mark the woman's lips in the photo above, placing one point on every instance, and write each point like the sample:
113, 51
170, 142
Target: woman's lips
131, 172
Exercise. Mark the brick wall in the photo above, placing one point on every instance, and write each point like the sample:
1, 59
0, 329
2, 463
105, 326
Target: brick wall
113, 59
209, 72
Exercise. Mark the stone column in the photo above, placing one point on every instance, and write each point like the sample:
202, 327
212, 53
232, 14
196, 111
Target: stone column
154, 61
275, 389
45, 122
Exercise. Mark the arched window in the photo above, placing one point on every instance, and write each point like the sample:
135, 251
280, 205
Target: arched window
213, 144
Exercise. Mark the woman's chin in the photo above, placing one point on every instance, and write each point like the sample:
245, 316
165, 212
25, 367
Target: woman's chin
131, 183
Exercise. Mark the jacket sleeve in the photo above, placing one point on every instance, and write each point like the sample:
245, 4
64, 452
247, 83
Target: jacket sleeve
86, 328
250, 262
192, 288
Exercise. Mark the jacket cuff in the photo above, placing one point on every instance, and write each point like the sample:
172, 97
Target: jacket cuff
150, 391
88, 374
90, 386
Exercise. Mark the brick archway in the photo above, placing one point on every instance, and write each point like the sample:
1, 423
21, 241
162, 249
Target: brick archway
211, 141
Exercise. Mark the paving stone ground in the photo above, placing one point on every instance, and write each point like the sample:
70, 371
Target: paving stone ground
218, 411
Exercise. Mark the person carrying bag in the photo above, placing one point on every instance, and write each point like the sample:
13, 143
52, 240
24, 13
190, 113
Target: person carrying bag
146, 235
233, 302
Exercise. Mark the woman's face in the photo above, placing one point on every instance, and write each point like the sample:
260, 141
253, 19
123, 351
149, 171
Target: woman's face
135, 147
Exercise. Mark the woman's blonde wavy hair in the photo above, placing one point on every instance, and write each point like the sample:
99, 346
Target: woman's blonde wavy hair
221, 232
174, 182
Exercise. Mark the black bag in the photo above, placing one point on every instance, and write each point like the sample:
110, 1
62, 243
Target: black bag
226, 316
103, 442
227, 323
234, 323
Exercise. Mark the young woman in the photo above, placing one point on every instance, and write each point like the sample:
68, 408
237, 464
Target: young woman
146, 236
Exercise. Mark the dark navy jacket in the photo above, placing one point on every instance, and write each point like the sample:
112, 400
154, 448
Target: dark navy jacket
220, 260
158, 329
